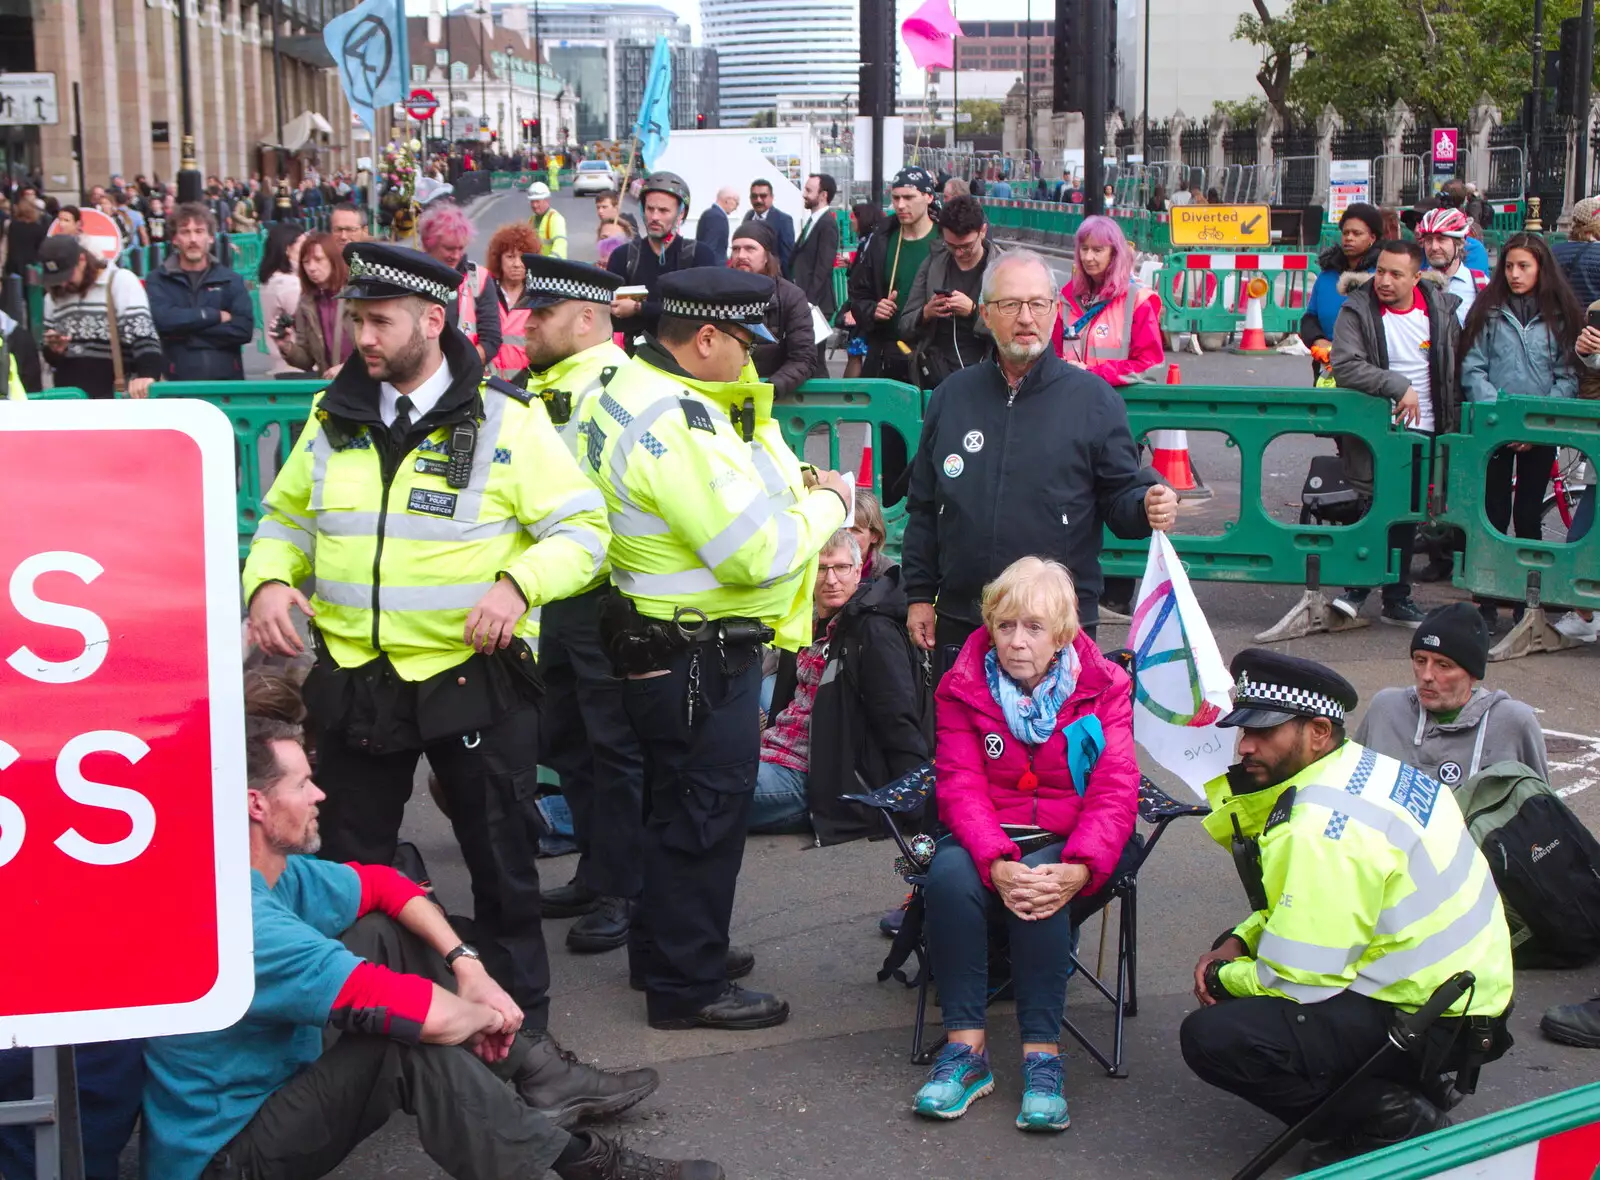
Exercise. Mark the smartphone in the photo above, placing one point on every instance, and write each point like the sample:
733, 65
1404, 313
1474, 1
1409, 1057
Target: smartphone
1594, 317
639, 292
944, 294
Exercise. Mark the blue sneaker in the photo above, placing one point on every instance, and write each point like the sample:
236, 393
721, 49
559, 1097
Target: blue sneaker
1044, 1099
958, 1078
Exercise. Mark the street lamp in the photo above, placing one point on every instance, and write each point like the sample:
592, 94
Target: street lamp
188, 167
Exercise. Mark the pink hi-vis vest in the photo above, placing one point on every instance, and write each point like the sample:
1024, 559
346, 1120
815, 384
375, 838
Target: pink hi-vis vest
1109, 335
467, 300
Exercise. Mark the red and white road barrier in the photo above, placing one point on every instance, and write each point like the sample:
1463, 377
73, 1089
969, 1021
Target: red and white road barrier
1570, 1155
1248, 261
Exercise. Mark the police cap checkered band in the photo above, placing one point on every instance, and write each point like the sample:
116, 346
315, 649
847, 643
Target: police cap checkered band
363, 270
1250, 693
568, 289
707, 312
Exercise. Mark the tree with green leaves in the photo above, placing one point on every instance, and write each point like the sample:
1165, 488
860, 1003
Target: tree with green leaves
1439, 57
987, 116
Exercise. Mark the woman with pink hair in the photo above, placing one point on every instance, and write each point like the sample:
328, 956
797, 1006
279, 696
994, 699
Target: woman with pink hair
1107, 325
445, 233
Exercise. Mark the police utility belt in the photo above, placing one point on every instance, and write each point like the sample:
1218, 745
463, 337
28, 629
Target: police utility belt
637, 644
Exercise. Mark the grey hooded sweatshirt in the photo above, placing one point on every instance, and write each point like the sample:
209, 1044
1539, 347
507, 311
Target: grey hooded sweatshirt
1396, 724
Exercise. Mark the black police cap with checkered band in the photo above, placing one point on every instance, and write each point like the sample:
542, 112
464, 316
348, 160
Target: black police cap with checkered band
1271, 688
554, 280
379, 270
712, 295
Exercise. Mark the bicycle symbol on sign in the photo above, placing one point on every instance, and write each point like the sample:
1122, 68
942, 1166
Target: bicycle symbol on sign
1210, 233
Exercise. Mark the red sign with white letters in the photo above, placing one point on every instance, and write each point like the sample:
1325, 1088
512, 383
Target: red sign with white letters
124, 856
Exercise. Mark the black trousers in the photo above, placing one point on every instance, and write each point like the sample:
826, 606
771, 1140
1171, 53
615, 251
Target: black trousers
590, 743
699, 777
1518, 512
489, 780
469, 1121
1285, 1058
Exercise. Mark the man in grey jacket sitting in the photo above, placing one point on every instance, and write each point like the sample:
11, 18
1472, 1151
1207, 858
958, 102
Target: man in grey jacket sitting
1448, 725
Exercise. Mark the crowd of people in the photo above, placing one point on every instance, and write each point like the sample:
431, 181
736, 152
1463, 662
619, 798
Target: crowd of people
609, 562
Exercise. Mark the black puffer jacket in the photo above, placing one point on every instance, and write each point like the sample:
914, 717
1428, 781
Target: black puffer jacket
998, 476
872, 720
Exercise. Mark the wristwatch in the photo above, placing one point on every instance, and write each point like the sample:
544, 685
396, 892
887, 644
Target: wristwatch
462, 951
1213, 977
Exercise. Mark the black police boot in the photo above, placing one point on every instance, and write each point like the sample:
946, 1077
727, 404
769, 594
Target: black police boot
604, 928
1574, 1024
604, 1159
1386, 1114
735, 1010
568, 901
565, 1090
741, 961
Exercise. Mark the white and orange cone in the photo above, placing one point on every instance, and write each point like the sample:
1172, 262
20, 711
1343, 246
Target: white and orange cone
1252, 336
1170, 455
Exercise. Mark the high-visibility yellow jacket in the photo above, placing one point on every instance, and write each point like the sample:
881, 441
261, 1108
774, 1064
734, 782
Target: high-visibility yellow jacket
14, 390
1372, 884
397, 569
700, 517
551, 227
566, 387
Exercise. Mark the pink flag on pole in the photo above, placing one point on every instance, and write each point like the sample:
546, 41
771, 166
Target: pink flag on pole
929, 33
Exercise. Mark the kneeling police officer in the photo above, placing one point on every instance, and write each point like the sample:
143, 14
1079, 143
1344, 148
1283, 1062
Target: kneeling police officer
1367, 894
716, 536
430, 510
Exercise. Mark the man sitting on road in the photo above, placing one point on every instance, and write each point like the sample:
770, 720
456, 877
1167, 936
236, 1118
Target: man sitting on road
422, 1028
849, 712
1367, 894
1397, 338
1448, 725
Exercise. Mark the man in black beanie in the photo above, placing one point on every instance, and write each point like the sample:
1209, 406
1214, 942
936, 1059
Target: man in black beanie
1447, 724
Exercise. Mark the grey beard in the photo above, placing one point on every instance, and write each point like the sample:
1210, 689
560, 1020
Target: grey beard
1021, 354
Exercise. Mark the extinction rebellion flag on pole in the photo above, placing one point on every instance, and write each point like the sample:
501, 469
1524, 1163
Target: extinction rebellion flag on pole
1182, 682
368, 44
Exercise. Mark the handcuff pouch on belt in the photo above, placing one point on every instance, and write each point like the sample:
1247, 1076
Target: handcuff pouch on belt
637, 644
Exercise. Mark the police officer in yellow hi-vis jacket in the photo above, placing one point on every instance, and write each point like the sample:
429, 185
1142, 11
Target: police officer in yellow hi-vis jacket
1367, 894
588, 739
715, 539
429, 510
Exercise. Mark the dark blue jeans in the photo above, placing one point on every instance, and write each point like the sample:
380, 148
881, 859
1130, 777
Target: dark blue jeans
959, 913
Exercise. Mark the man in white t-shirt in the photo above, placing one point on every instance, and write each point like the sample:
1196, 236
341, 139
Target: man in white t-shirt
1397, 337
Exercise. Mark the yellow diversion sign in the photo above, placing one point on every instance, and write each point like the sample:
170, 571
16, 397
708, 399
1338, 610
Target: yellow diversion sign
1219, 226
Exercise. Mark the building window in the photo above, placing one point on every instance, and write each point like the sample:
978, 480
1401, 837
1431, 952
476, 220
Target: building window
458, 71
419, 73
441, 57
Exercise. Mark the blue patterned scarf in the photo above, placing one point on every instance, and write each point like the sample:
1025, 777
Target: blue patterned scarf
1032, 718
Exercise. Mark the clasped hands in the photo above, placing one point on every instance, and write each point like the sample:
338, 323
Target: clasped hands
1035, 892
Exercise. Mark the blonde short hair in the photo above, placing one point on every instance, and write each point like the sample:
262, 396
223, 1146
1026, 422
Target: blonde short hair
1038, 587
869, 514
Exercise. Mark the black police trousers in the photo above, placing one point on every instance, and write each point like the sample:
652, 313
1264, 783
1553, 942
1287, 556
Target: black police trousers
590, 743
1284, 1057
469, 1121
489, 781
699, 778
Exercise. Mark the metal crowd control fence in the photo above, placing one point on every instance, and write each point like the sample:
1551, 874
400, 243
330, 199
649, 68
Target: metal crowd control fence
1494, 565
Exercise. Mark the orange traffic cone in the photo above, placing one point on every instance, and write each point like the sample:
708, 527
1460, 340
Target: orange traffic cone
1252, 337
1170, 455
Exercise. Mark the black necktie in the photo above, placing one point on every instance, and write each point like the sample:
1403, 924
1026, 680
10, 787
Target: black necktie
402, 423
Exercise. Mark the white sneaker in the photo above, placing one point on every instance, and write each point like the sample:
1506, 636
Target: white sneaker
1575, 626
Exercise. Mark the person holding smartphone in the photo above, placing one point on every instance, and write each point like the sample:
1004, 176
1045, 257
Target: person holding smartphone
941, 320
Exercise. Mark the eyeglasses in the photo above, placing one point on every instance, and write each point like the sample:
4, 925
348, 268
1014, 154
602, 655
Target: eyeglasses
837, 572
748, 343
1009, 309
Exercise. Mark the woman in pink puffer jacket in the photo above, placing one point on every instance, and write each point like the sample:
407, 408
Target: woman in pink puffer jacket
1039, 787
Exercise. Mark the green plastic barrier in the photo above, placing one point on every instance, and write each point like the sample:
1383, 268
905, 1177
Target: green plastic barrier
1562, 1125
1204, 300
1493, 564
253, 407
824, 406
1257, 547
61, 393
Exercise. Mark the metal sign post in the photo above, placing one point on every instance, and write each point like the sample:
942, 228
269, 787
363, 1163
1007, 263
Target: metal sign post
53, 1113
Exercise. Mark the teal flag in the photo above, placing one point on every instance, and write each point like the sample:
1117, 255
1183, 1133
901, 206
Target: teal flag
368, 44
655, 113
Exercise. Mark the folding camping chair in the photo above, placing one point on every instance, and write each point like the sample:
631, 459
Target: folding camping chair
914, 792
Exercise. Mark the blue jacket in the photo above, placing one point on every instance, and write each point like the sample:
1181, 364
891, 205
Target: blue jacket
1322, 309
195, 343
712, 230
1477, 255
1516, 361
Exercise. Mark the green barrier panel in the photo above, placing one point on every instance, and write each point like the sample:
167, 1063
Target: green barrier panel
1204, 300
1257, 547
61, 393
247, 253
884, 406
1572, 1115
253, 407
1495, 565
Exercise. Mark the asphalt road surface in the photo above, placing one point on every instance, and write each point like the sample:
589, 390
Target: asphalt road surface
826, 1096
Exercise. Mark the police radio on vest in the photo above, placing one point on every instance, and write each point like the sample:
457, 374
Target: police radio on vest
24, 661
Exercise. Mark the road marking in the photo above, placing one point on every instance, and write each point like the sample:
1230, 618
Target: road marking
1584, 765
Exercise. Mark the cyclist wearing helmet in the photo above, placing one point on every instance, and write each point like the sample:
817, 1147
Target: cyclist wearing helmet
1442, 234
661, 249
